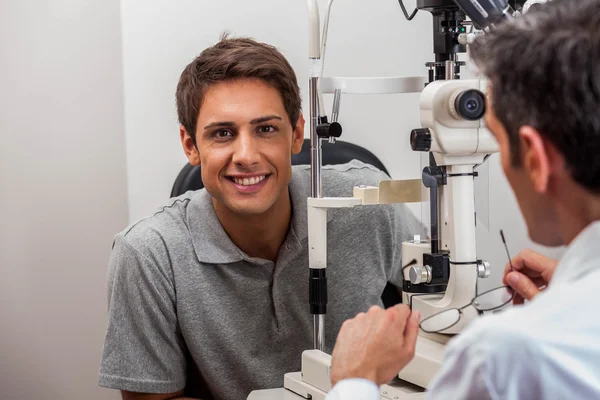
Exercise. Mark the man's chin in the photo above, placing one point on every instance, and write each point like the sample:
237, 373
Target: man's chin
545, 237
248, 208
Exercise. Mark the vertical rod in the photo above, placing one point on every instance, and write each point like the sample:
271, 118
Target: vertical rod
337, 97
318, 285
449, 70
319, 331
434, 205
434, 216
315, 143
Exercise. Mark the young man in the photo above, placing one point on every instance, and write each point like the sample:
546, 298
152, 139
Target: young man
544, 110
208, 298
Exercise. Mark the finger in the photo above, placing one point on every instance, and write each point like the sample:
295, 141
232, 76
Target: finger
411, 332
527, 262
518, 300
374, 310
535, 262
399, 315
402, 311
536, 279
522, 285
539, 282
346, 325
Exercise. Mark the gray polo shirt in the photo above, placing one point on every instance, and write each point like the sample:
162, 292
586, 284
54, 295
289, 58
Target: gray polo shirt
188, 309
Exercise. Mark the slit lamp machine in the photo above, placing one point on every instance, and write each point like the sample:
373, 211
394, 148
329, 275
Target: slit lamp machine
453, 134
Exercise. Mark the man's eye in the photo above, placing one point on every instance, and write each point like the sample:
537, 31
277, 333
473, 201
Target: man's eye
222, 133
266, 129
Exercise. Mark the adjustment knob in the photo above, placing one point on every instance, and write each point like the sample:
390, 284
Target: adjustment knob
420, 139
531, 5
327, 130
483, 269
419, 274
467, 38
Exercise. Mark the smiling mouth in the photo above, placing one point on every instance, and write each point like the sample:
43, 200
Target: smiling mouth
248, 181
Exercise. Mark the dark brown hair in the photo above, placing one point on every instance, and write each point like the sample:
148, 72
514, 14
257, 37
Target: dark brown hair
230, 59
544, 69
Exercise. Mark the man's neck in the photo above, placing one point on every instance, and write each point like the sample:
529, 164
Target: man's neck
258, 236
580, 209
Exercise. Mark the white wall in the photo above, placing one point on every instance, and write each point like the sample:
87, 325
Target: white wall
63, 192
366, 38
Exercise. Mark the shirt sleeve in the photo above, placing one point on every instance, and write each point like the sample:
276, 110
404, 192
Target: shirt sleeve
354, 389
144, 350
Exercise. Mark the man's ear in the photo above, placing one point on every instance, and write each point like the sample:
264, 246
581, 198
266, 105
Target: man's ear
540, 157
189, 147
298, 135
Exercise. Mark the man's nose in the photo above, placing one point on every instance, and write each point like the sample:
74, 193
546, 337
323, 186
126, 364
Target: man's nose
246, 152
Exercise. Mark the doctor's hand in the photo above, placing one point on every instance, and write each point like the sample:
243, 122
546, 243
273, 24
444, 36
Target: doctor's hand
375, 345
532, 273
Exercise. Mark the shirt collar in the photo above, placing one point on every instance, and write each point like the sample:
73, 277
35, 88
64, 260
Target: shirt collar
212, 244
580, 257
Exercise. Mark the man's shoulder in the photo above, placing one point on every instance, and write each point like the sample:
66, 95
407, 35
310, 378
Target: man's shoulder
340, 179
167, 222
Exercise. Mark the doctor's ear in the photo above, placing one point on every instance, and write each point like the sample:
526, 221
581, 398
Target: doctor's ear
189, 146
540, 157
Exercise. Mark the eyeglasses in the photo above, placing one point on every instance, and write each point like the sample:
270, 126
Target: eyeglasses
488, 301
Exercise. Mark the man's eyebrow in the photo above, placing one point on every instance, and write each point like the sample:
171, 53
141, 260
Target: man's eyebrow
227, 124
231, 124
265, 119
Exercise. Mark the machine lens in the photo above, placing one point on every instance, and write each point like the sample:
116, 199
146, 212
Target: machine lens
470, 104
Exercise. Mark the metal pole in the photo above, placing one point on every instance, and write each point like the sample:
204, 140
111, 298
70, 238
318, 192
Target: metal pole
450, 69
319, 331
315, 143
316, 192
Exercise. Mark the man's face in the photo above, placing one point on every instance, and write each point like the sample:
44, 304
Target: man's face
244, 144
536, 206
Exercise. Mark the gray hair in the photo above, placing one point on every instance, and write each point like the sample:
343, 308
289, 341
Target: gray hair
544, 69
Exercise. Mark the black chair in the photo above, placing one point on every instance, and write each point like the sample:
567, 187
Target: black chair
341, 152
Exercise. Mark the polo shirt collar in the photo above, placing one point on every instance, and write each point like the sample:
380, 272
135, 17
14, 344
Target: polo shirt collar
212, 244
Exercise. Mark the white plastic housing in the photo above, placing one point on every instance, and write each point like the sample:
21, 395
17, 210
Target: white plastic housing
451, 135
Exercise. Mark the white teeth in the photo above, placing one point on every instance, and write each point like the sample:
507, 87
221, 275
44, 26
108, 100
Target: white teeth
249, 181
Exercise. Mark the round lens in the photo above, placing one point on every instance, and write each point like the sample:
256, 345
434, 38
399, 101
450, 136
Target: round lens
440, 321
470, 104
493, 299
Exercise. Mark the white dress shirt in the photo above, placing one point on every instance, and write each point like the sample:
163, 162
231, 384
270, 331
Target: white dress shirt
547, 349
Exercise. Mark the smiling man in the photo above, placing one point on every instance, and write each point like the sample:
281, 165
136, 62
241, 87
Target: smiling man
208, 298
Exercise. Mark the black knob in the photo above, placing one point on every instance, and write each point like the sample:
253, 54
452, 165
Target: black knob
420, 139
333, 129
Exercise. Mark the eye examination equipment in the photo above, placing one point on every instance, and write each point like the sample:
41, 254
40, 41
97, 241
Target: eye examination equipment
441, 273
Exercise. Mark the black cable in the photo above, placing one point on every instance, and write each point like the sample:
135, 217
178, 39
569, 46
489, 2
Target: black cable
406, 13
